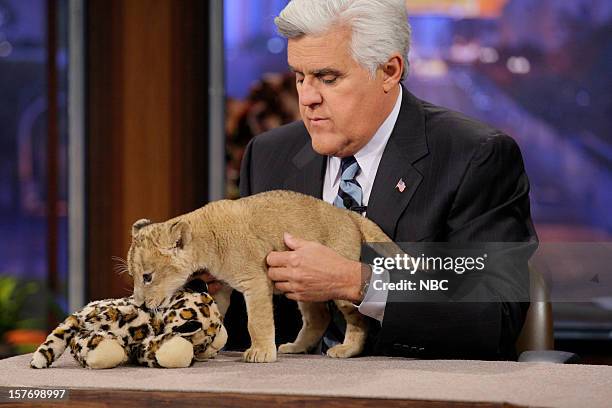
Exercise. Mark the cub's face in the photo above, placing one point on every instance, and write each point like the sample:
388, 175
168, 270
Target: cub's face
159, 260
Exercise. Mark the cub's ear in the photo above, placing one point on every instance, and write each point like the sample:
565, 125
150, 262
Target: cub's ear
180, 234
139, 224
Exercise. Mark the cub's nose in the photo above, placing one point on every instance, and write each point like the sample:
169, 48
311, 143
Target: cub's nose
138, 298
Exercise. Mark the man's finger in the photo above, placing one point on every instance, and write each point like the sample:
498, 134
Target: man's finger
278, 258
214, 287
207, 277
284, 286
293, 242
279, 274
297, 296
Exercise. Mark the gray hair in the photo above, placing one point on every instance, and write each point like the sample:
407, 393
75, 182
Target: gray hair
379, 27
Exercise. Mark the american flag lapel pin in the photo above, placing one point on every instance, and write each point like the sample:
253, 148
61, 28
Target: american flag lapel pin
401, 186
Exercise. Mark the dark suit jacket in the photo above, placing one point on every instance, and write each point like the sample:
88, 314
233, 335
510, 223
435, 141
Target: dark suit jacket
465, 182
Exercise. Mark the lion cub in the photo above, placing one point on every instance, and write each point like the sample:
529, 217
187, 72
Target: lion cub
231, 239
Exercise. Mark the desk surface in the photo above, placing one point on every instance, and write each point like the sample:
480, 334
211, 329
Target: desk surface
317, 378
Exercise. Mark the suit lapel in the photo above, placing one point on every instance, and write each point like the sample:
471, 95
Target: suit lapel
308, 174
406, 145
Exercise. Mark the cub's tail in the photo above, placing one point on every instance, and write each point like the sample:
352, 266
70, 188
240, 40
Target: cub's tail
55, 344
370, 232
373, 235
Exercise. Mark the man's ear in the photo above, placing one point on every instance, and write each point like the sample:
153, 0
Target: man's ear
180, 234
139, 224
392, 70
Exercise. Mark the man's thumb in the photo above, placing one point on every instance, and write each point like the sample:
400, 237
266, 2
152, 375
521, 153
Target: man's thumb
291, 241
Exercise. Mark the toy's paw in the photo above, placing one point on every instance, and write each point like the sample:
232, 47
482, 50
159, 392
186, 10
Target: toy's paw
175, 353
39, 360
108, 354
213, 349
292, 348
343, 351
260, 354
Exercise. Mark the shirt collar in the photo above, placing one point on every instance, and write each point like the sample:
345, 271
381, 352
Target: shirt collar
369, 155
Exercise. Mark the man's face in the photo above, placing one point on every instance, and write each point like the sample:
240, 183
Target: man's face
341, 105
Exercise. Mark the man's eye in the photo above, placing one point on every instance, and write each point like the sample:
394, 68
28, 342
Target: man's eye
328, 81
299, 80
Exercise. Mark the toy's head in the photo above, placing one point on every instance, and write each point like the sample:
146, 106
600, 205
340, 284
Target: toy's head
192, 313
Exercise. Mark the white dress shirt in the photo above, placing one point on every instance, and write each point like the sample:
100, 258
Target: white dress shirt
368, 158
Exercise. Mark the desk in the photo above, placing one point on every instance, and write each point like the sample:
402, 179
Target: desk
322, 381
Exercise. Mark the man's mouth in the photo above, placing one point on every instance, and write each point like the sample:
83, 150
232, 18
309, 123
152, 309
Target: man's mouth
319, 123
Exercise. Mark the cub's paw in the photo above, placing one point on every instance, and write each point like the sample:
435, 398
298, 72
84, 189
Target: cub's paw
260, 354
292, 348
108, 354
343, 351
175, 353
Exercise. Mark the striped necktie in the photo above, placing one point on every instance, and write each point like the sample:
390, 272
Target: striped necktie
350, 194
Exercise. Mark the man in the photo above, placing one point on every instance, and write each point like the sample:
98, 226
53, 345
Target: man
422, 173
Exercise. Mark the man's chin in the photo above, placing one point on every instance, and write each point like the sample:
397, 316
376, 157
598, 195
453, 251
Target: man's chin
321, 144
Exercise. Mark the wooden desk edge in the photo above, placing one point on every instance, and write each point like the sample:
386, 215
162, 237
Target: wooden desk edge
117, 398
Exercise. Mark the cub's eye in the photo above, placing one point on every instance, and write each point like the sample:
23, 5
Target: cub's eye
179, 243
147, 277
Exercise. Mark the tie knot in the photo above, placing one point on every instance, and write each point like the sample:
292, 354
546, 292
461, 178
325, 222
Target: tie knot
350, 194
349, 167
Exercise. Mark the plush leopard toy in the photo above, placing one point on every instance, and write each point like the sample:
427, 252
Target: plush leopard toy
107, 333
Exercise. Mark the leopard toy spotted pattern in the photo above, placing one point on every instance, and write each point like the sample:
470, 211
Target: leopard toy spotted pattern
186, 327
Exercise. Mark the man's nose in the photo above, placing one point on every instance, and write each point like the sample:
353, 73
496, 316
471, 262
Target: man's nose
309, 94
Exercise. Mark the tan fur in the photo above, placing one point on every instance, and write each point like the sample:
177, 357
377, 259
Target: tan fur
231, 239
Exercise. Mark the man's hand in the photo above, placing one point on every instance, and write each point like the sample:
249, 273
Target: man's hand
213, 284
312, 272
